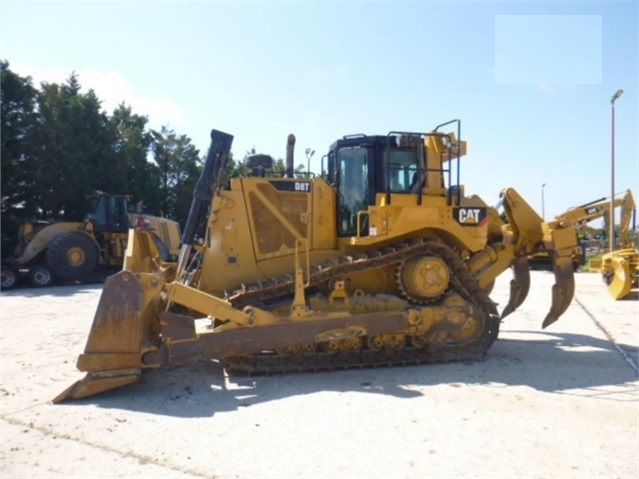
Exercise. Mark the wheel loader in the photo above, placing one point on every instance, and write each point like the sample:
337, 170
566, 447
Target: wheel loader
70, 251
382, 260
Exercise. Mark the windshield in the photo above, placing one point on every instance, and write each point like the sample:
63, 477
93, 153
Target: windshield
97, 210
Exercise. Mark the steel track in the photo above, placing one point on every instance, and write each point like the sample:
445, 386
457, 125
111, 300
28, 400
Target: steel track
462, 282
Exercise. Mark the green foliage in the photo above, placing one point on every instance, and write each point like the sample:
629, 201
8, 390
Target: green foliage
235, 168
279, 167
18, 118
179, 168
59, 146
73, 153
132, 144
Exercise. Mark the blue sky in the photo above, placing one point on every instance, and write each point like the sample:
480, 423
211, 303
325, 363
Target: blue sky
531, 82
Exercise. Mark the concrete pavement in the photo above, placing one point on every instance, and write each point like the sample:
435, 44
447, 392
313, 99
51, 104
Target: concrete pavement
554, 403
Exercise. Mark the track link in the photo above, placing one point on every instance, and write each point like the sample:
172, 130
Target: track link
462, 282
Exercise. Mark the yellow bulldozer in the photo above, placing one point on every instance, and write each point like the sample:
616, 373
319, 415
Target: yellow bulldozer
383, 260
71, 251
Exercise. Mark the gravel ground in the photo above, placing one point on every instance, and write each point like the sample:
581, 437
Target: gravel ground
555, 403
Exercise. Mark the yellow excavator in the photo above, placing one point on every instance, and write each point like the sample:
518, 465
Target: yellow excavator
579, 217
620, 268
383, 260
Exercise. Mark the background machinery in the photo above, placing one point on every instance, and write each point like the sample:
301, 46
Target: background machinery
620, 268
579, 217
383, 260
72, 250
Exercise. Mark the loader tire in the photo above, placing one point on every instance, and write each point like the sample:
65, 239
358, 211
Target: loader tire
72, 256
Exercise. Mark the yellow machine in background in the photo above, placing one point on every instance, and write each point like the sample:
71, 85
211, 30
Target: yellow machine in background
47, 251
383, 260
579, 217
620, 268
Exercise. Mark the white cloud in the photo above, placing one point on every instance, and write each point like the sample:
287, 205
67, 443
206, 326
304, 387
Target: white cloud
112, 88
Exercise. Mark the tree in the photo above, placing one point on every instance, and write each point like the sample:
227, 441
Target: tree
59, 147
235, 168
18, 118
131, 146
73, 154
179, 169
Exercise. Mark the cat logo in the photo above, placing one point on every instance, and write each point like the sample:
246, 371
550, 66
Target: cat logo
470, 216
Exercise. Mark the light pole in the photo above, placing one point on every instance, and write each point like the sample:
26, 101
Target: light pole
611, 233
309, 155
543, 205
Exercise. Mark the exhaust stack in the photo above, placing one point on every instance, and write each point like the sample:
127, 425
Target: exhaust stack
290, 147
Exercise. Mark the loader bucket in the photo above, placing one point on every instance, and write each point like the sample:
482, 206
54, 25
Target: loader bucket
120, 335
618, 276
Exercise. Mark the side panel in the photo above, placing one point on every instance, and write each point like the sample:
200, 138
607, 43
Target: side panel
279, 212
324, 216
465, 226
255, 225
228, 258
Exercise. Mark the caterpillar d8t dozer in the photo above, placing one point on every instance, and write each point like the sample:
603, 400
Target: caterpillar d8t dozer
383, 260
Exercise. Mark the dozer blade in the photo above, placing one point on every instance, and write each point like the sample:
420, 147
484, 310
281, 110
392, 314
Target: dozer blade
519, 285
619, 279
563, 290
112, 356
95, 383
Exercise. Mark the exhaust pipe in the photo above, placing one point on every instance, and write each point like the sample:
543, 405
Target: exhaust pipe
290, 147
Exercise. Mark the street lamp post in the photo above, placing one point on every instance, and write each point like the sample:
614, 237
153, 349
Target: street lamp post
543, 205
309, 155
611, 233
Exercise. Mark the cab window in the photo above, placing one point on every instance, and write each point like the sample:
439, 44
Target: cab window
353, 188
402, 169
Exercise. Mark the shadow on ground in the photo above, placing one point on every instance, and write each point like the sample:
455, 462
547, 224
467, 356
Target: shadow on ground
548, 362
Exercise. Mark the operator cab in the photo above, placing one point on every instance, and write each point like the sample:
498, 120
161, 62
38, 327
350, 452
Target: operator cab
362, 166
109, 213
